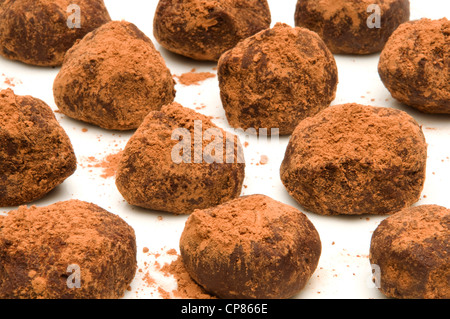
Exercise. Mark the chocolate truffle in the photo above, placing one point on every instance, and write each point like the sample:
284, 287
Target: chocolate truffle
36, 154
277, 78
113, 78
411, 249
204, 29
178, 161
415, 65
352, 159
355, 26
46, 250
250, 248
39, 32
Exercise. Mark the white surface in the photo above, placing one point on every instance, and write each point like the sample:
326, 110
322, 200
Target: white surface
344, 270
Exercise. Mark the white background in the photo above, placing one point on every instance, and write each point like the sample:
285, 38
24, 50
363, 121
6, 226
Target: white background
344, 270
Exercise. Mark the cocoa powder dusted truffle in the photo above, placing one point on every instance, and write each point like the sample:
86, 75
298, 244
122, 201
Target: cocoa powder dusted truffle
204, 29
415, 65
251, 247
178, 161
276, 78
352, 26
352, 159
68, 250
36, 154
412, 252
39, 32
113, 78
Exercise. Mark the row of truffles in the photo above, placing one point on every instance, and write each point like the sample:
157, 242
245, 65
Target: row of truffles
40, 32
348, 159
252, 247
114, 76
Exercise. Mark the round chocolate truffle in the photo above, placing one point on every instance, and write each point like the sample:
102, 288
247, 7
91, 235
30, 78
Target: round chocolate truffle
412, 253
250, 248
178, 161
36, 154
113, 78
204, 29
39, 32
352, 26
352, 159
415, 65
276, 78
68, 250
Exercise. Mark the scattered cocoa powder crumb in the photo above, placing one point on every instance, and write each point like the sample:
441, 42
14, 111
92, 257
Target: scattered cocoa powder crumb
109, 164
187, 287
172, 252
84, 130
164, 294
10, 81
145, 250
202, 106
148, 279
264, 160
245, 144
193, 77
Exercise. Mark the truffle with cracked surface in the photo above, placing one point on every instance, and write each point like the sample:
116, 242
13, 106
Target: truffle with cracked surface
204, 29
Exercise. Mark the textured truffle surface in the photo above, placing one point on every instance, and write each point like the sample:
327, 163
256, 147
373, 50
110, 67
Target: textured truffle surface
36, 154
38, 32
155, 174
37, 246
412, 251
348, 27
204, 29
113, 78
415, 65
251, 247
277, 78
354, 159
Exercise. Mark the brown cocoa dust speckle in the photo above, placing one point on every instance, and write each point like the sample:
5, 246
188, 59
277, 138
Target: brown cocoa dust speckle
109, 164
193, 77
186, 287
10, 81
264, 160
